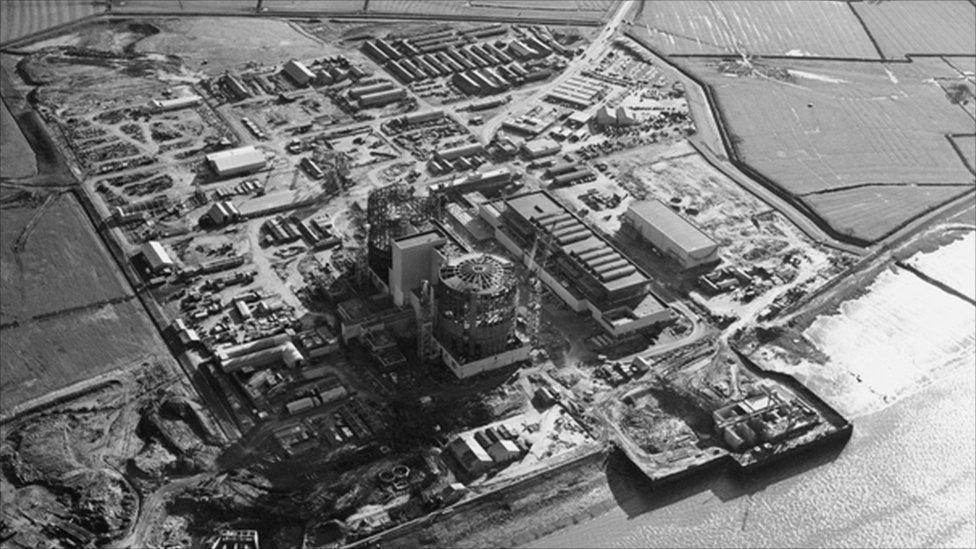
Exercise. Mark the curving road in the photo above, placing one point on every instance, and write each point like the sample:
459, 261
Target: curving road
600, 44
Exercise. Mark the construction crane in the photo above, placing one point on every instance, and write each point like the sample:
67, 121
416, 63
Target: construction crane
534, 305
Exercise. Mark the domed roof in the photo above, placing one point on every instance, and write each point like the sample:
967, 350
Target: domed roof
479, 273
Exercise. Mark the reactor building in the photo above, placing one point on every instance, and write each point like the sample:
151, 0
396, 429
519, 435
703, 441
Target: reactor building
474, 314
464, 302
393, 211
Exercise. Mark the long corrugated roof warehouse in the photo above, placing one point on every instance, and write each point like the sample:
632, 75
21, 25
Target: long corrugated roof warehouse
468, 149
577, 241
372, 88
382, 98
298, 72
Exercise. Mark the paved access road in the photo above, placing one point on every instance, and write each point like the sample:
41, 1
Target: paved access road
597, 47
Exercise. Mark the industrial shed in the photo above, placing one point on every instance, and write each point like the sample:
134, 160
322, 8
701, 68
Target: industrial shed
156, 256
236, 161
539, 148
381, 98
164, 105
469, 149
360, 91
671, 233
298, 72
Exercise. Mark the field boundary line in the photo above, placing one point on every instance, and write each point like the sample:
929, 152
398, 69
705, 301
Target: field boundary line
867, 31
69, 311
391, 16
935, 282
951, 137
862, 185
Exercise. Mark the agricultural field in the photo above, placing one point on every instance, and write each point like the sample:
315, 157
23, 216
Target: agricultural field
575, 10
966, 65
967, 146
920, 26
832, 125
19, 18
820, 129
872, 212
67, 312
61, 264
16, 155
40, 356
792, 27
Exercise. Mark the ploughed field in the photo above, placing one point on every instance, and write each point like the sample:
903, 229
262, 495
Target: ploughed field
790, 27
67, 313
19, 18
920, 26
16, 156
864, 145
59, 265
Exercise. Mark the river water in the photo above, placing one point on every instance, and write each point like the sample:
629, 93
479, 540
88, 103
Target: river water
905, 479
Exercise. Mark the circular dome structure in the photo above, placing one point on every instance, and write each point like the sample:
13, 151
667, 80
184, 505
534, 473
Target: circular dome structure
475, 303
482, 274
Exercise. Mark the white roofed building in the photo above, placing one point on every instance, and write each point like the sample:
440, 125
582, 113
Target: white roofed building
539, 148
156, 256
237, 161
671, 233
162, 105
470, 455
222, 213
298, 72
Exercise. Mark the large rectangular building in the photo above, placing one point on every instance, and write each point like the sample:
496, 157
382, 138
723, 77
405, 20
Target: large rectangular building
236, 161
577, 264
469, 149
156, 256
298, 72
360, 91
378, 99
164, 105
539, 148
671, 233
480, 181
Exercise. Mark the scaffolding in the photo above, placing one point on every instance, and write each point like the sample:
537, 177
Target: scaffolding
391, 211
